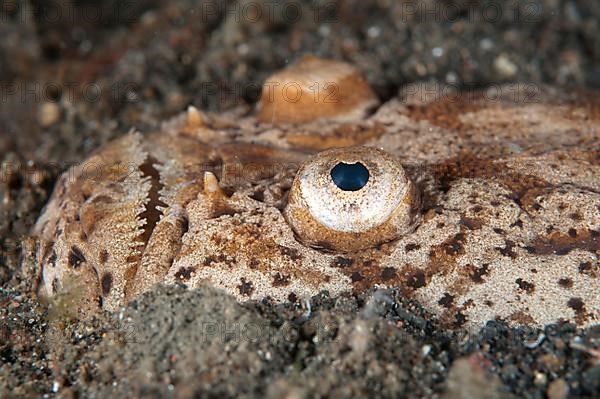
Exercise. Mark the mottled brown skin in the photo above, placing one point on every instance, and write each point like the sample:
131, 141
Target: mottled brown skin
510, 223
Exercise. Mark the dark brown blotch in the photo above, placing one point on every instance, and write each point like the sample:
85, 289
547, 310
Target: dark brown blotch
508, 249
281, 280
522, 318
589, 269
455, 246
576, 304
106, 283
576, 216
254, 264
476, 274
416, 279
565, 282
411, 247
459, 320
291, 253
446, 301
342, 262
103, 256
525, 285
561, 244
356, 276
184, 273
245, 288
258, 195
209, 260
572, 233
471, 223
388, 273
76, 257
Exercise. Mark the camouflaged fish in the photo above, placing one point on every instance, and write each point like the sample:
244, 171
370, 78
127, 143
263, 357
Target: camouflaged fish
478, 205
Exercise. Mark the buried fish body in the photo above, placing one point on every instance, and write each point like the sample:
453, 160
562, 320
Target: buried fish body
478, 209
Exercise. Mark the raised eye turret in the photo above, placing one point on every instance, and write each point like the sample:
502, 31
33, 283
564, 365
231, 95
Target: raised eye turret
349, 199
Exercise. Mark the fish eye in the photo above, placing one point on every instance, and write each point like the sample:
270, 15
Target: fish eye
349, 199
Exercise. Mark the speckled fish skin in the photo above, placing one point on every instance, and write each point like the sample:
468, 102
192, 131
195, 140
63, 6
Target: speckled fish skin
510, 220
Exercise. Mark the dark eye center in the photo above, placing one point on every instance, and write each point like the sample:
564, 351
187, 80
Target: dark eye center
350, 176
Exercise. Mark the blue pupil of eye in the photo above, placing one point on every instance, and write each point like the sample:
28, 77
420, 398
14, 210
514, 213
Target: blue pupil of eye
350, 176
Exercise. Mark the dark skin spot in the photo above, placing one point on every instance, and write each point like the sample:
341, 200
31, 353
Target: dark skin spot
572, 233
416, 279
258, 195
561, 244
471, 223
281, 280
76, 257
342, 262
522, 318
291, 253
292, 297
103, 257
411, 247
356, 277
459, 320
229, 261
254, 264
587, 268
455, 245
508, 249
576, 304
477, 274
388, 273
576, 216
518, 223
184, 273
446, 301
245, 288
209, 260
565, 282
106, 283
525, 285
